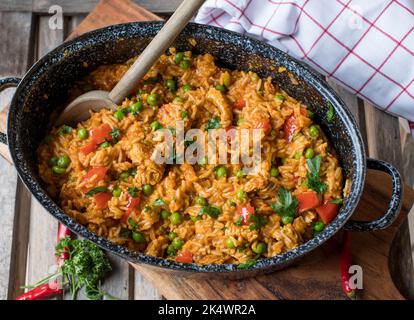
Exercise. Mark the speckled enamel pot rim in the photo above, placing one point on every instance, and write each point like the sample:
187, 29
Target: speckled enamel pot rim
239, 41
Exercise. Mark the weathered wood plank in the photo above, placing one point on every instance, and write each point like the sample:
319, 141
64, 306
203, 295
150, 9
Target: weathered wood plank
16, 57
43, 227
384, 143
82, 6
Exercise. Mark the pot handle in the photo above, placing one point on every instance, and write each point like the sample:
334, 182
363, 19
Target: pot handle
4, 84
393, 207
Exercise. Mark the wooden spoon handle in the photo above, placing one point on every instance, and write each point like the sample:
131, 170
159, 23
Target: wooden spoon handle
155, 49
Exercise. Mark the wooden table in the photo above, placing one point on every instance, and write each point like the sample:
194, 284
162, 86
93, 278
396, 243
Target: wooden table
25, 253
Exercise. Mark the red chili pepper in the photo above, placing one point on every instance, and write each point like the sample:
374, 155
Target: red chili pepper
346, 262
62, 233
43, 291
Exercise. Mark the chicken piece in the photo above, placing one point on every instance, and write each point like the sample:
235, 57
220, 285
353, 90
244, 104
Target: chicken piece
221, 102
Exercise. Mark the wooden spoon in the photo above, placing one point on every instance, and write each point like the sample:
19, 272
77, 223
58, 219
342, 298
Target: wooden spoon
78, 109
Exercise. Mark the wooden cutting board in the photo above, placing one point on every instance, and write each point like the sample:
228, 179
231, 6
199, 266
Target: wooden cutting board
314, 277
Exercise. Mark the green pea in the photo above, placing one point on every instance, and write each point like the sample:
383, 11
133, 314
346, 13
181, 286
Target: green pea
314, 131
63, 162
165, 214
240, 121
119, 115
309, 153
124, 175
318, 226
220, 87
274, 172
297, 155
227, 79
172, 236
83, 133
175, 218
53, 161
240, 174
116, 192
203, 161
221, 172
280, 97
185, 64
155, 125
104, 145
147, 189
186, 87
179, 56
201, 201
230, 244
177, 243
171, 251
241, 195
136, 107
154, 99
178, 100
138, 237
260, 248
171, 84
58, 170
287, 220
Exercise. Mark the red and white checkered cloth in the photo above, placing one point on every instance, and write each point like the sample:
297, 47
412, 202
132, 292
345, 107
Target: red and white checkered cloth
365, 45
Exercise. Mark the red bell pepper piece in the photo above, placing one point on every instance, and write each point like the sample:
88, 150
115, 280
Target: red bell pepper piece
184, 257
132, 205
239, 104
97, 136
289, 127
308, 200
327, 211
102, 199
245, 212
265, 125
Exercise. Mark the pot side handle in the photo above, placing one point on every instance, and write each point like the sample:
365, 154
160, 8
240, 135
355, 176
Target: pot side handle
394, 206
4, 84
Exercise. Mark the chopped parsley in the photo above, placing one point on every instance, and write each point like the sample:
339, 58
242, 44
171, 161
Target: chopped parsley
258, 221
213, 123
213, 212
159, 202
287, 205
96, 190
115, 134
247, 264
133, 191
313, 180
330, 114
239, 221
337, 201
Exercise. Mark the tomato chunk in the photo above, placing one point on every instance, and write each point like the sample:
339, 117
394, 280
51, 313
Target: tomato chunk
88, 148
327, 211
133, 204
239, 104
101, 133
308, 200
184, 257
102, 199
97, 136
265, 125
290, 127
99, 172
245, 212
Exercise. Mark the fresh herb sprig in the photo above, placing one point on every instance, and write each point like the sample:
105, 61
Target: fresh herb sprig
287, 205
313, 179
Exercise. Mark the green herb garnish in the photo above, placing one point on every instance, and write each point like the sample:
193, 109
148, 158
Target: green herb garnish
159, 202
258, 221
133, 191
287, 205
239, 221
213, 123
96, 190
247, 264
337, 201
115, 134
331, 113
313, 180
213, 212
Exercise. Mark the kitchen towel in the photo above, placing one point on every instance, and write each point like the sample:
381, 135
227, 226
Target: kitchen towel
367, 46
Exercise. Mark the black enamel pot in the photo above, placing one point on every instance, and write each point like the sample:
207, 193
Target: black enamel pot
43, 90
